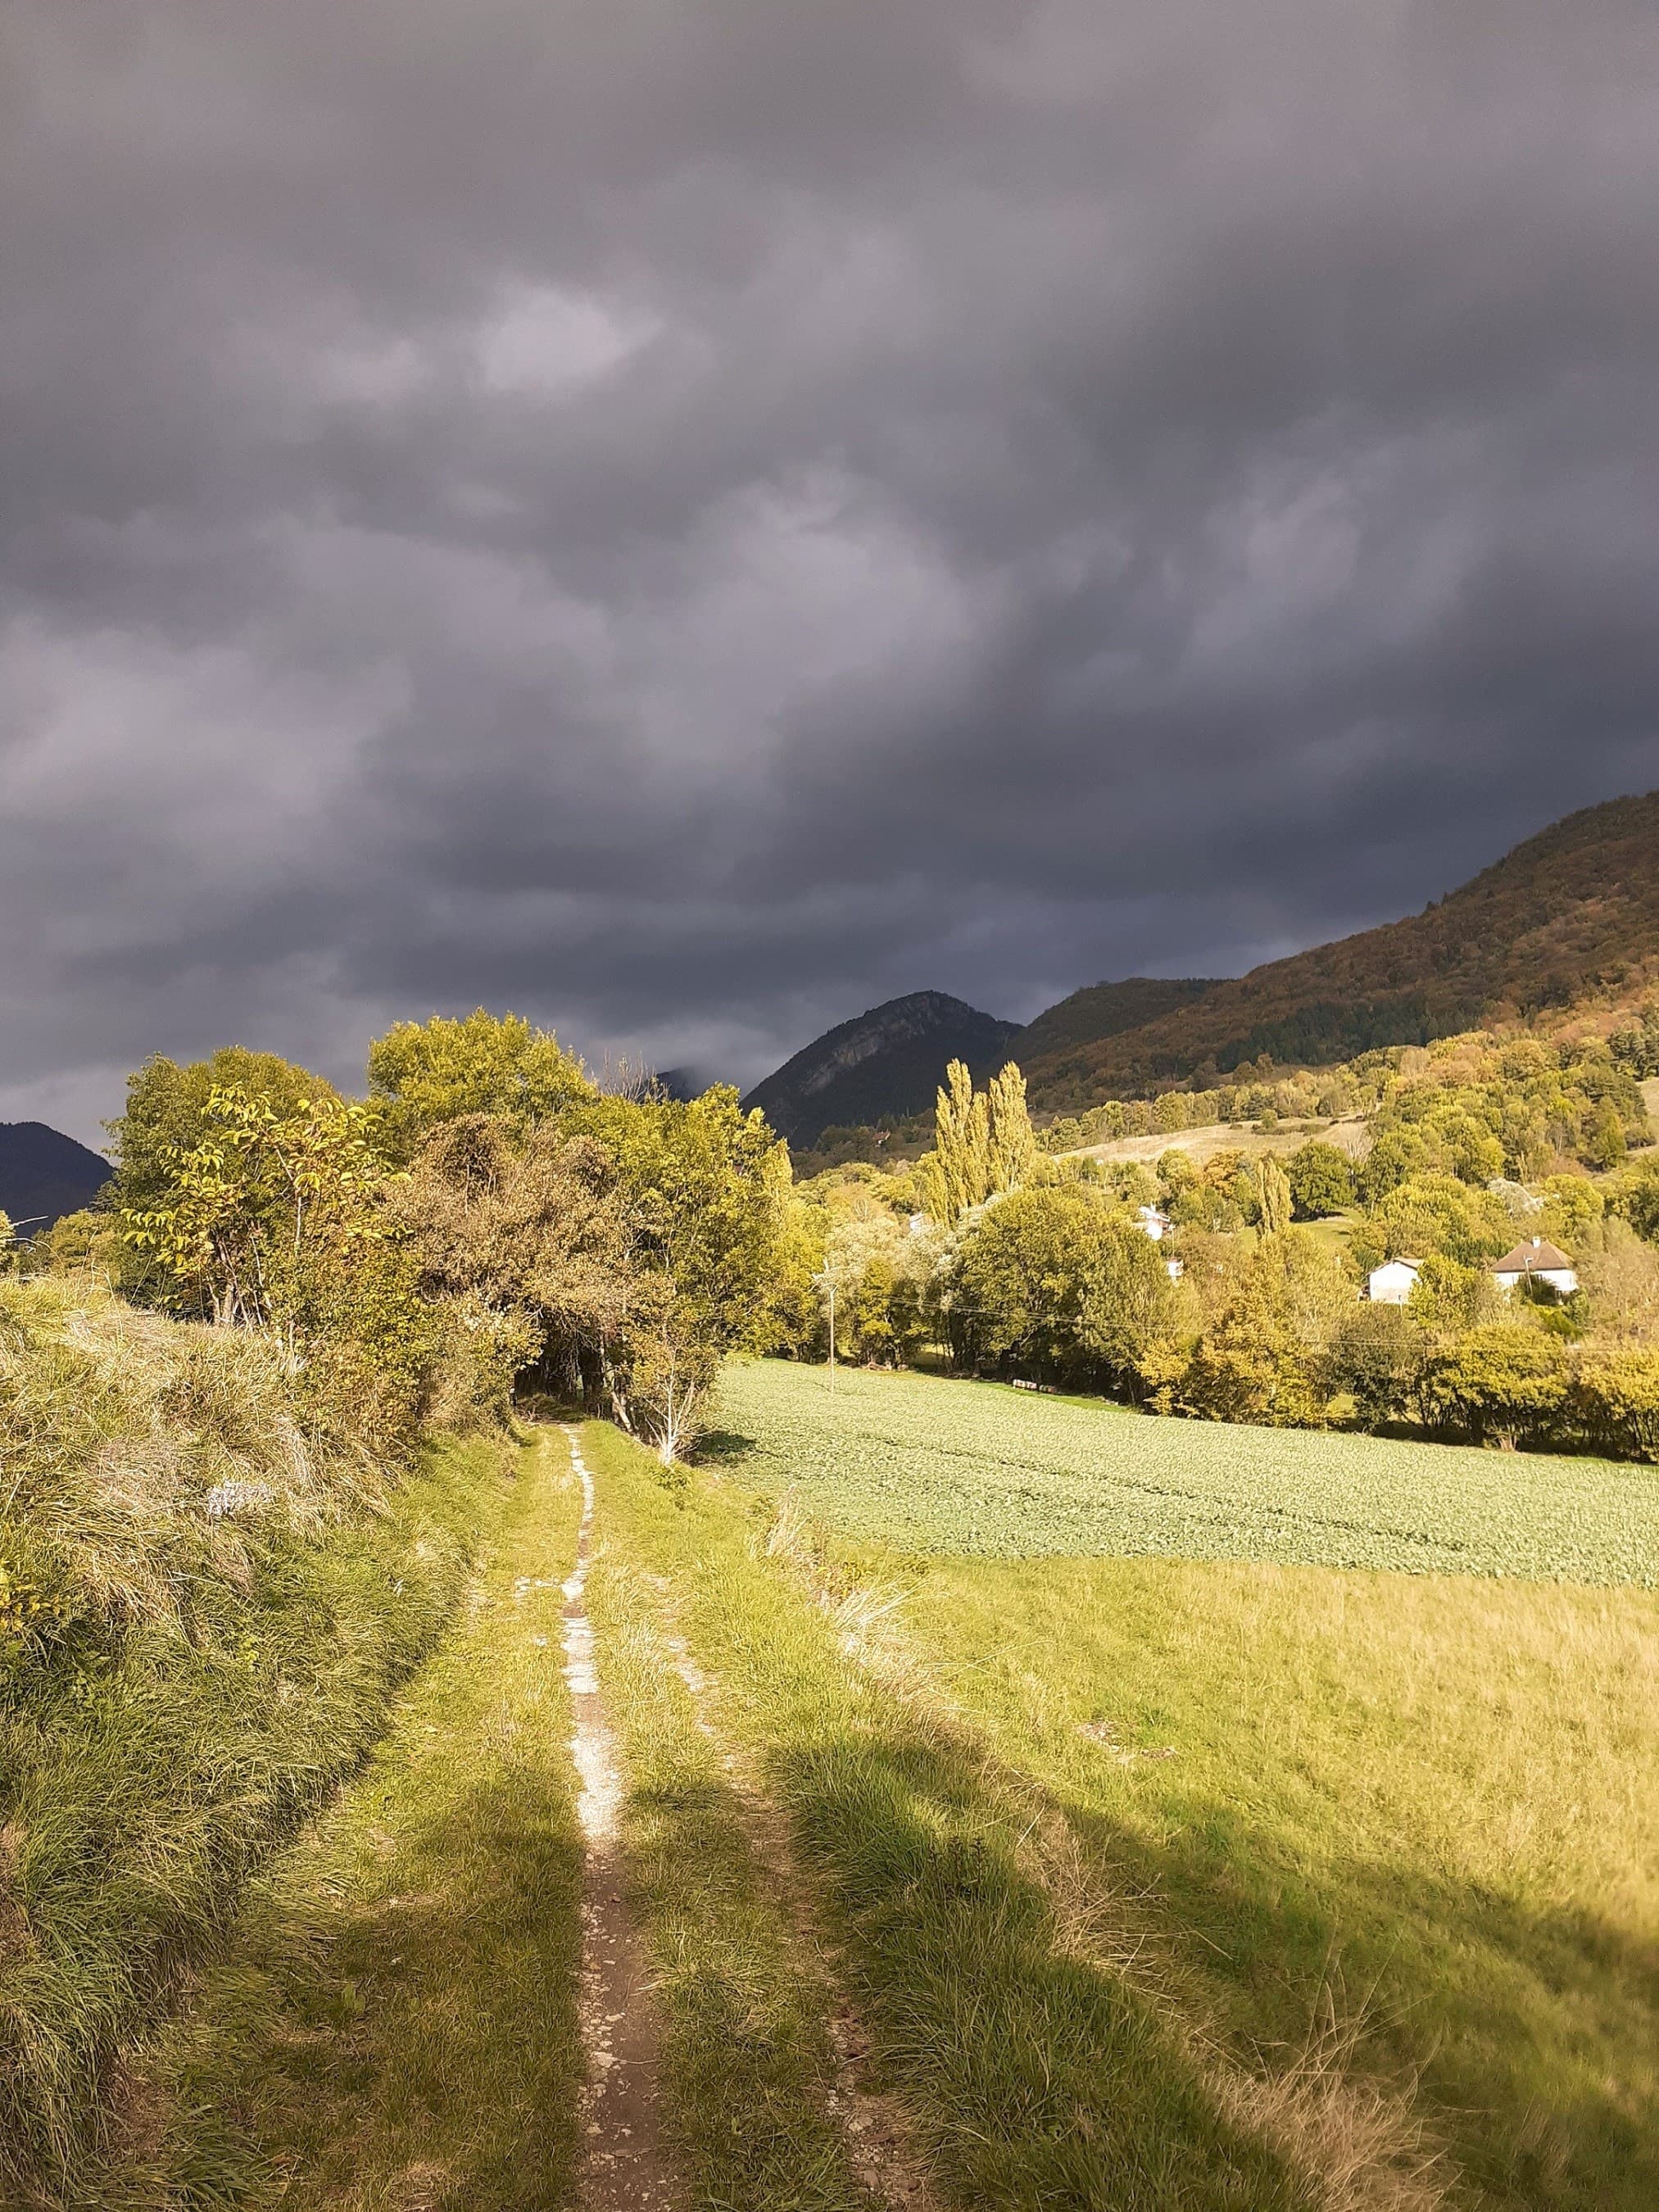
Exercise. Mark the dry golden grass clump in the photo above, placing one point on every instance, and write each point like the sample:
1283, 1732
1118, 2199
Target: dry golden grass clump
138, 1451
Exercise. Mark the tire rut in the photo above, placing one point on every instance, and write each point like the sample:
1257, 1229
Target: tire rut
624, 2165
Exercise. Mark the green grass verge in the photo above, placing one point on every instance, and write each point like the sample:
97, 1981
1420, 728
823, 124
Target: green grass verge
394, 2023
1038, 2077
927, 1465
747, 2066
1422, 1811
143, 1784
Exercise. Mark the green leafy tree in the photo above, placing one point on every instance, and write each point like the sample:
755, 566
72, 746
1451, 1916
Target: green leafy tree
704, 1191
1128, 1308
1321, 1180
1505, 1384
1614, 1403
1448, 1299
878, 1269
167, 1112
271, 1220
1177, 1173
1604, 1143
1434, 1214
1619, 1273
1396, 1153
791, 1318
1573, 1205
1015, 1289
423, 1073
1377, 1358
1636, 1048
84, 1241
1633, 1195
1262, 1354
523, 1234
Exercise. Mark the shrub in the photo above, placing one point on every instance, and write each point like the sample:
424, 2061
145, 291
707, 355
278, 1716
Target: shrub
1614, 1403
1505, 1383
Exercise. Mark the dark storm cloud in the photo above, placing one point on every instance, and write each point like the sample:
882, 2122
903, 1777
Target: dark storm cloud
689, 521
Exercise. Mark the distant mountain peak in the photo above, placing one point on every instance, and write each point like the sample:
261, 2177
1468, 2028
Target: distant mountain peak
883, 1064
45, 1174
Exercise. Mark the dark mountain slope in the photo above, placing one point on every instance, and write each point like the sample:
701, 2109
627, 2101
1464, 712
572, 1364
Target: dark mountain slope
1104, 1010
45, 1174
885, 1064
1571, 913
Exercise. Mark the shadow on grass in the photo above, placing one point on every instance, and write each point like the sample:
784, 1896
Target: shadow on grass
1061, 2084
1046, 2075
393, 2026
1505, 2016
1047, 2080
724, 1448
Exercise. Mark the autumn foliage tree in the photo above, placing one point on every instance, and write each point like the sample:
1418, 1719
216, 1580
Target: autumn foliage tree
270, 1219
423, 1074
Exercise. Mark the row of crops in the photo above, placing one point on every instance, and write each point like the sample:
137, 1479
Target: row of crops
928, 1465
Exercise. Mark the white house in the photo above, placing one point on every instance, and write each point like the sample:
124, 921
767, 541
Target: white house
1157, 1224
1390, 1285
1537, 1260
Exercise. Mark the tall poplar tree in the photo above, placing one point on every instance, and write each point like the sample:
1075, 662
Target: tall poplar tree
1273, 1196
956, 1174
982, 1143
1011, 1148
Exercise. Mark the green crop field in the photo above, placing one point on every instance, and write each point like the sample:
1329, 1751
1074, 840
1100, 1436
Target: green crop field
927, 1465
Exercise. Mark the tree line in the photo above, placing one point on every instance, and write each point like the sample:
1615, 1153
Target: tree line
486, 1218
1246, 1310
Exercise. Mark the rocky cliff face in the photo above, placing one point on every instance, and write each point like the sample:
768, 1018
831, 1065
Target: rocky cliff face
884, 1063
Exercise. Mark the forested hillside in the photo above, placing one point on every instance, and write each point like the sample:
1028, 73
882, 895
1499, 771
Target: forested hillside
1571, 914
1109, 1010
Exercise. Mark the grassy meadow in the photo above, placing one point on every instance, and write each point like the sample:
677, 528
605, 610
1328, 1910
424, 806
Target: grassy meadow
1010, 1804
1180, 1880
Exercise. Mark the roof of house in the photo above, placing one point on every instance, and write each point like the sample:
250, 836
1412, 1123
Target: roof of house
1535, 1257
1400, 1259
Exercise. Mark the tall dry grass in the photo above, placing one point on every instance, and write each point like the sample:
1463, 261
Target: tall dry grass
206, 1600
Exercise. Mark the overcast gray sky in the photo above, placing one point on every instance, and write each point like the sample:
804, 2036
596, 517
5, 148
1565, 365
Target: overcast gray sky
686, 520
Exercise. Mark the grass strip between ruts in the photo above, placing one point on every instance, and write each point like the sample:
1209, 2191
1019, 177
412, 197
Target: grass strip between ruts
747, 2066
1039, 2079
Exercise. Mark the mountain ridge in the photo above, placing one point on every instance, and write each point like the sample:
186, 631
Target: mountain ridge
1565, 915
1568, 913
885, 1063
